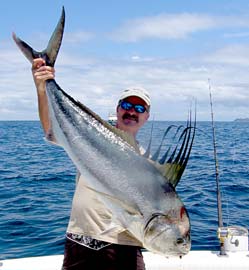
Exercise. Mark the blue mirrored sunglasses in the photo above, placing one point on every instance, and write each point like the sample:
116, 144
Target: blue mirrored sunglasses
128, 106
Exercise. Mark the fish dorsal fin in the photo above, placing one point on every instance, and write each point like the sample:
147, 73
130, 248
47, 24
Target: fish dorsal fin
147, 152
170, 171
174, 161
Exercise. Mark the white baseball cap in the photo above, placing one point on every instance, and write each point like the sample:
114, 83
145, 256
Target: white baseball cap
138, 92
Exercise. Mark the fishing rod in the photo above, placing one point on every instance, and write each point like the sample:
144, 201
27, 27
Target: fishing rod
222, 232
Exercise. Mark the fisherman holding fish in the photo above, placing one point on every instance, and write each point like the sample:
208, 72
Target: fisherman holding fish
123, 200
91, 242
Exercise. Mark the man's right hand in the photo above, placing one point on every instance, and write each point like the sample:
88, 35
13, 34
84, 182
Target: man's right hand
41, 73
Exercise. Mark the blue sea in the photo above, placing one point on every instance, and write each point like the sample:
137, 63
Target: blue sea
37, 182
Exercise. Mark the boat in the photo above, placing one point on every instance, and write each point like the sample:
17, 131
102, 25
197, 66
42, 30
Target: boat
112, 119
235, 257
194, 260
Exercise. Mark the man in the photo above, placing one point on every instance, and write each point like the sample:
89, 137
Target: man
91, 243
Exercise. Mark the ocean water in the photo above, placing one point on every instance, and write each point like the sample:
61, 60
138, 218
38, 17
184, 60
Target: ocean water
37, 184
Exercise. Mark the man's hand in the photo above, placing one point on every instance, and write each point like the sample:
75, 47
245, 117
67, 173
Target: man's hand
41, 73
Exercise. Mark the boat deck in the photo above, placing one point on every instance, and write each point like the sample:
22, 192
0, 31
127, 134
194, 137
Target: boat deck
195, 260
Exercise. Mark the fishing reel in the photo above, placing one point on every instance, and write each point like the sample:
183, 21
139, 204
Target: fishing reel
233, 238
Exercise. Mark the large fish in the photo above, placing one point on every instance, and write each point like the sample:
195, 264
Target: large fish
139, 191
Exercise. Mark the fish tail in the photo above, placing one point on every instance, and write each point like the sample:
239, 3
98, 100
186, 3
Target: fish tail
53, 47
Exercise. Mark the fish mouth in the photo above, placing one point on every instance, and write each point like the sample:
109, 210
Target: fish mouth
183, 243
164, 236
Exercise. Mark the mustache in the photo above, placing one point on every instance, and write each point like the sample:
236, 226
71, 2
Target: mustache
130, 116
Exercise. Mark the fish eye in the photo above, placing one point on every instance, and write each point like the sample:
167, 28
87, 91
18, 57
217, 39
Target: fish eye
179, 241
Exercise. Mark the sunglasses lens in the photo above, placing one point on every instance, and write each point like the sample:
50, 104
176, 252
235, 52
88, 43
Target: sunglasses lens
139, 108
125, 105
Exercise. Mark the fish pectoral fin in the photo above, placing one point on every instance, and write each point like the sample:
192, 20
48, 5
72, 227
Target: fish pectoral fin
130, 209
113, 228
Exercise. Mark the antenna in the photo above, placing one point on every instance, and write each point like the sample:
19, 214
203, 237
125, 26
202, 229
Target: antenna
221, 233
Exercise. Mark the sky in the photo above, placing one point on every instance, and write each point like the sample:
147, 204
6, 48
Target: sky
177, 50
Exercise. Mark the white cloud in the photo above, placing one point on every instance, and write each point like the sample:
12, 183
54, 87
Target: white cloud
236, 54
174, 26
162, 26
173, 84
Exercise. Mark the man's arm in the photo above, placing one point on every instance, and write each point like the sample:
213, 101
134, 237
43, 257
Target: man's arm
41, 73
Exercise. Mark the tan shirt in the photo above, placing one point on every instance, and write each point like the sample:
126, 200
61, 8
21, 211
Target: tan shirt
90, 217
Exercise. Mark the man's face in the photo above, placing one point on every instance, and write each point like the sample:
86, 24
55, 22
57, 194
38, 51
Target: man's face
131, 120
